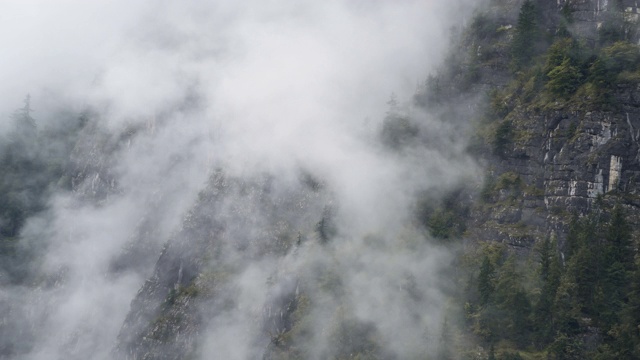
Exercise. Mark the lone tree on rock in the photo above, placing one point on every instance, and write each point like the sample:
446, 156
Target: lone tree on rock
24, 122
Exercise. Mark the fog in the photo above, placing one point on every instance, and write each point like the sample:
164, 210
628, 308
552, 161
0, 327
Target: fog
285, 91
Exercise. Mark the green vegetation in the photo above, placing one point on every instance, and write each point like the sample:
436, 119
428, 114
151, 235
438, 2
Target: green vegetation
550, 301
484, 26
444, 224
447, 220
564, 79
32, 164
551, 72
502, 138
573, 297
397, 128
506, 189
526, 36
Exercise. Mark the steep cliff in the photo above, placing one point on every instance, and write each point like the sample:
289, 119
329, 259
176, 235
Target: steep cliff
234, 223
558, 135
494, 215
550, 154
547, 154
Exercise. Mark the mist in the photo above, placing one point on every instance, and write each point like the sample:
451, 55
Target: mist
232, 138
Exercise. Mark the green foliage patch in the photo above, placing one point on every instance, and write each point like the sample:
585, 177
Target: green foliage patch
586, 282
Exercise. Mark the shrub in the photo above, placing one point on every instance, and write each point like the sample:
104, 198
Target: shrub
502, 137
564, 79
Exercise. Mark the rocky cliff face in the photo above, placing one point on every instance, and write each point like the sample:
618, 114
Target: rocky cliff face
544, 162
551, 163
235, 222
559, 163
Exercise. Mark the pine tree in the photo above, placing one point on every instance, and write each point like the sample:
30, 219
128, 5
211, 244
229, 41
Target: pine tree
485, 280
564, 79
619, 239
445, 351
492, 353
630, 316
550, 273
23, 115
566, 308
585, 261
566, 348
523, 46
513, 303
618, 265
545, 253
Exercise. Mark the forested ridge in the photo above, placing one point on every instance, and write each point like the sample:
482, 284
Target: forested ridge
539, 255
549, 269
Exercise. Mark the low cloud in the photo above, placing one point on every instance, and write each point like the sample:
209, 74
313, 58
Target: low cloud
264, 89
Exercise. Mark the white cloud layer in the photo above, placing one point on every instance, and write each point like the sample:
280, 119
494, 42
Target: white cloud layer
254, 87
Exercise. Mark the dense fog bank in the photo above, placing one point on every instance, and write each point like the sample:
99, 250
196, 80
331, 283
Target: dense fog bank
250, 140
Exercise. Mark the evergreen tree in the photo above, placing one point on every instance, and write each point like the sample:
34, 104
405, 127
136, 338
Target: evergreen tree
445, 346
566, 308
545, 253
564, 79
585, 260
485, 280
618, 265
619, 240
492, 353
520, 312
397, 127
513, 302
23, 117
550, 273
566, 348
630, 316
523, 47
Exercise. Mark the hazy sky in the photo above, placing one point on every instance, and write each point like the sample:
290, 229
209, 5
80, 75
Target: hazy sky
139, 55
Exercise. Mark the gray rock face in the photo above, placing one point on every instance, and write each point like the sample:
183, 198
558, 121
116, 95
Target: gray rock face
565, 160
557, 163
91, 164
233, 223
